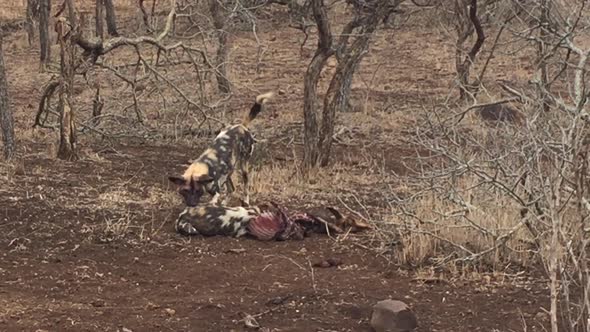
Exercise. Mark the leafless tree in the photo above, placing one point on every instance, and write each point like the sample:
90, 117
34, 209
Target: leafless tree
32, 16
143, 79
349, 49
516, 191
144, 14
45, 54
545, 25
220, 18
464, 18
99, 18
66, 30
6, 120
111, 18
467, 15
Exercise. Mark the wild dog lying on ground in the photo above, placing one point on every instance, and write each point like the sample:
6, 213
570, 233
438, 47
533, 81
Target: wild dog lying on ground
266, 222
210, 220
231, 149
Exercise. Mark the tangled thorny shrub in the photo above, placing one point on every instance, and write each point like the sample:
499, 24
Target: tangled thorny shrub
466, 195
515, 193
507, 195
152, 99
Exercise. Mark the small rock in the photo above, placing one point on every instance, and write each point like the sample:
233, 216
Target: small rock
152, 306
170, 312
323, 264
334, 261
302, 251
281, 92
98, 303
327, 263
251, 322
236, 251
393, 316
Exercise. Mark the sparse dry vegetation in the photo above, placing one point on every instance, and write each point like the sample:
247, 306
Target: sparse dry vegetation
457, 129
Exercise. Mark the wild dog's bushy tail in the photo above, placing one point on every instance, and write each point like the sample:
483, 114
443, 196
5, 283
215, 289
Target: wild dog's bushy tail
257, 107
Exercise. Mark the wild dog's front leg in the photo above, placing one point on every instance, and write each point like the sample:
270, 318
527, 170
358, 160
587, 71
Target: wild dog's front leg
215, 198
244, 167
213, 190
230, 188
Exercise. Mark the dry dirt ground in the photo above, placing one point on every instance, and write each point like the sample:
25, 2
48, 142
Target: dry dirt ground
90, 245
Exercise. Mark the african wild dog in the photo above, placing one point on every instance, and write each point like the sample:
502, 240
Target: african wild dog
211, 220
231, 148
265, 222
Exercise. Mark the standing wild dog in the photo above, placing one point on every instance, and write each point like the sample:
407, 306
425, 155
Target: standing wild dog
231, 149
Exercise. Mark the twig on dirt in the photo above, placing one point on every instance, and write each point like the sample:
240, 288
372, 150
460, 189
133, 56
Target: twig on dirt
287, 258
132, 177
313, 284
250, 320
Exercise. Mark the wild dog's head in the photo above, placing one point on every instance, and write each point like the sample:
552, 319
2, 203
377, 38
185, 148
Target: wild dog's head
191, 189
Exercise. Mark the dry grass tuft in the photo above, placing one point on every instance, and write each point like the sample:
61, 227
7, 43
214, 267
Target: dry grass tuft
438, 228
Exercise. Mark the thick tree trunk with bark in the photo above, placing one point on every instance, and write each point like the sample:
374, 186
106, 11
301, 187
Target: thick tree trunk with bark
67, 142
111, 18
221, 59
99, 18
45, 54
311, 113
6, 119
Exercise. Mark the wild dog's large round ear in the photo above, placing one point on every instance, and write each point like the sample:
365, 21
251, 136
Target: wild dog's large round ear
177, 180
204, 179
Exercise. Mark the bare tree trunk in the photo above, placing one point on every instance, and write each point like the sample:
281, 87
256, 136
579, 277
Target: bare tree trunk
99, 18
153, 8
111, 18
338, 94
221, 59
554, 265
310, 106
542, 72
463, 67
368, 15
145, 16
32, 14
6, 120
45, 54
67, 142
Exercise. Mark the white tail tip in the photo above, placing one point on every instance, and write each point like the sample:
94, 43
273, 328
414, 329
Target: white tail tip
261, 99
